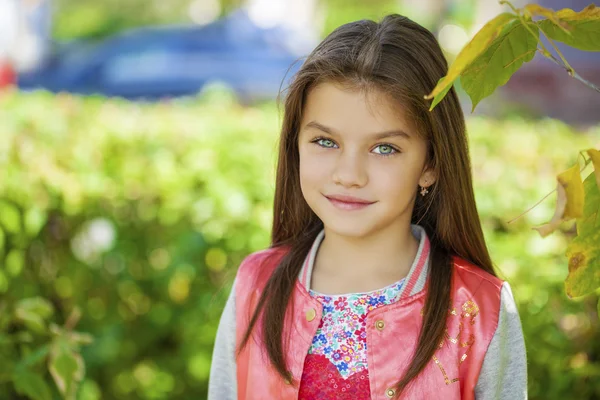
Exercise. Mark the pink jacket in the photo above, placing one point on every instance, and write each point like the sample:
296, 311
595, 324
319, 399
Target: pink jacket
392, 332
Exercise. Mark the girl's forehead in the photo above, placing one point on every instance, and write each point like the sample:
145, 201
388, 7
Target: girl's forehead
352, 110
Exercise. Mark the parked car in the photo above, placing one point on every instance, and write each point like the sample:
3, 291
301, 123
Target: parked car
158, 62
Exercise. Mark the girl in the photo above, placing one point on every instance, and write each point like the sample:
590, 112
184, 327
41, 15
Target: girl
378, 283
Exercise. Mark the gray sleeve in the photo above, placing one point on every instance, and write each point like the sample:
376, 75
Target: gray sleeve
222, 382
504, 371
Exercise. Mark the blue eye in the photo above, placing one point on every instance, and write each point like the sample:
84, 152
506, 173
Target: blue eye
385, 150
389, 150
324, 142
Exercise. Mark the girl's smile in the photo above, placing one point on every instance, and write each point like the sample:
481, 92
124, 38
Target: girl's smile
348, 203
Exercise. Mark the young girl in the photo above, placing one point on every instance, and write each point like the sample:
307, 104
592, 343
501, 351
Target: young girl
378, 283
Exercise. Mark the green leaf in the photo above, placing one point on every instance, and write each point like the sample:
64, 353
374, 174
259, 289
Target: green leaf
37, 305
584, 250
595, 156
583, 27
34, 219
470, 52
32, 321
14, 262
66, 367
31, 385
34, 357
440, 95
33, 312
500, 61
10, 218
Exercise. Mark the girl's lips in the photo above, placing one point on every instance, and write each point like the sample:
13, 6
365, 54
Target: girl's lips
349, 206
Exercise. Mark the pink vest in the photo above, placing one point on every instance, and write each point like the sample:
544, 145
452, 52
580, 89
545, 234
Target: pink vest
392, 332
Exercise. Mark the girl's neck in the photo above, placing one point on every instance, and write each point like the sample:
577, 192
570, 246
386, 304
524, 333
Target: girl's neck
344, 264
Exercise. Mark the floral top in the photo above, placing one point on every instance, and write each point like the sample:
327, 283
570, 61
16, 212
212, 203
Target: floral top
336, 364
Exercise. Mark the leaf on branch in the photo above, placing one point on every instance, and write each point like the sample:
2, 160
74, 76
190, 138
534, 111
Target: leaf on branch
493, 68
37, 305
537, 10
595, 156
33, 312
470, 52
583, 28
584, 250
66, 367
569, 200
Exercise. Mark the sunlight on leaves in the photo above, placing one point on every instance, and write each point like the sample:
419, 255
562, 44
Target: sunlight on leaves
499, 62
470, 52
582, 28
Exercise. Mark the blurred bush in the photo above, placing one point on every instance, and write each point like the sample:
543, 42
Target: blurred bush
133, 213
127, 221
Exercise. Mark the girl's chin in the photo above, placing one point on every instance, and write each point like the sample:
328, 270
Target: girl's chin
349, 227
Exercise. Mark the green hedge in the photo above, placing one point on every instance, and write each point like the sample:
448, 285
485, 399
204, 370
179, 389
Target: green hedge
127, 222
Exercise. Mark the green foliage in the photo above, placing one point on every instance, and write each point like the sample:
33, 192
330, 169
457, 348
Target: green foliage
469, 54
580, 30
507, 41
31, 385
135, 214
584, 250
495, 53
514, 163
504, 56
339, 12
92, 19
139, 214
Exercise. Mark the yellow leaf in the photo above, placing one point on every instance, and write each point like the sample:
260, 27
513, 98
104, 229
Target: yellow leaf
569, 200
537, 10
595, 156
578, 29
590, 12
474, 48
583, 252
573, 185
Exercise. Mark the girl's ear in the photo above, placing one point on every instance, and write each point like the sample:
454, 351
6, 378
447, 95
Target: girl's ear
428, 178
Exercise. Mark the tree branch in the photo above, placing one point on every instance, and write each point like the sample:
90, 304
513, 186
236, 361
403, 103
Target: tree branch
572, 73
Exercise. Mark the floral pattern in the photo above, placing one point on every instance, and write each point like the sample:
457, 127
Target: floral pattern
336, 364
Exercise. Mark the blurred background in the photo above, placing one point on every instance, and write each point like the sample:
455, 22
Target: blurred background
137, 170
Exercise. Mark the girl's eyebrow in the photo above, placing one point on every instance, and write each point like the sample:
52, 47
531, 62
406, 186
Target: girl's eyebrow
376, 136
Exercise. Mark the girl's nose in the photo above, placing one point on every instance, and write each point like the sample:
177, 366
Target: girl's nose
350, 170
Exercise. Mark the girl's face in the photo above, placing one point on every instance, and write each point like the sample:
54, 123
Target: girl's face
350, 146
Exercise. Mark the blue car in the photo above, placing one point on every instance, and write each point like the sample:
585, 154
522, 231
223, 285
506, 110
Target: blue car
161, 62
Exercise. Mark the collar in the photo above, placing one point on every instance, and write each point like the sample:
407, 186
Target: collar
417, 275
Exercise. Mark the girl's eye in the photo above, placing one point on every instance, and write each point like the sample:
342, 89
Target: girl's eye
386, 150
324, 142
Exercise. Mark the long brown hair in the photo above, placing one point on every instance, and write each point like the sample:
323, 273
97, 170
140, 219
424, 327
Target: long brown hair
402, 59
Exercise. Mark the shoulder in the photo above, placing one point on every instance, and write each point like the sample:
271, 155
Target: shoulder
259, 265
474, 278
477, 289
480, 294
